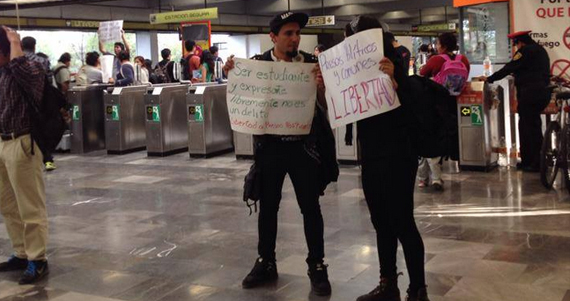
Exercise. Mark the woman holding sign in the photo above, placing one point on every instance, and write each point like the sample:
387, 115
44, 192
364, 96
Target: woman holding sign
389, 167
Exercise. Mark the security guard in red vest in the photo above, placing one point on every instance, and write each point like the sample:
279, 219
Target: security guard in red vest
531, 68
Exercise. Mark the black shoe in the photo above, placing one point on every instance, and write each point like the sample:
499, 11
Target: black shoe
319, 276
386, 291
264, 271
420, 295
36, 270
14, 264
437, 186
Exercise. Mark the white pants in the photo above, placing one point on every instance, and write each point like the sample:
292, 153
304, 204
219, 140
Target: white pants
430, 167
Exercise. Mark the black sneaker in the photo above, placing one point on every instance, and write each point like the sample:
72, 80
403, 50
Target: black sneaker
264, 271
319, 276
13, 264
420, 295
386, 291
36, 270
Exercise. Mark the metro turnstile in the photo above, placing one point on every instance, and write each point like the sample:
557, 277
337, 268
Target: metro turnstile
481, 125
243, 145
88, 118
209, 130
125, 119
166, 122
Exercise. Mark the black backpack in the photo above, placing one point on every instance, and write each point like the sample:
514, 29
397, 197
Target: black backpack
435, 115
185, 66
161, 73
47, 121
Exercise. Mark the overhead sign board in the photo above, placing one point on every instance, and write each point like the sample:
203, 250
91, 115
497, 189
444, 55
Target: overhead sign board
185, 16
321, 21
435, 27
459, 3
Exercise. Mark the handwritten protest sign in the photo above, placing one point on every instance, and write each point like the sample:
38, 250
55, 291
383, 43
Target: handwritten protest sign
356, 88
110, 31
271, 98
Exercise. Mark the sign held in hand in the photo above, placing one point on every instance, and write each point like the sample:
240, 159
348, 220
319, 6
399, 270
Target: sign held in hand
271, 98
110, 31
355, 87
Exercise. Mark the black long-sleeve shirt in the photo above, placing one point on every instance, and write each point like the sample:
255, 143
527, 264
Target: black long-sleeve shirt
530, 65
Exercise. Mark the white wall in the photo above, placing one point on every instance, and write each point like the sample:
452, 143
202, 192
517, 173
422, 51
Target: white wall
246, 46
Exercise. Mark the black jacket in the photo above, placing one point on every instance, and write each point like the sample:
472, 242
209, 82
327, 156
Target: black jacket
530, 66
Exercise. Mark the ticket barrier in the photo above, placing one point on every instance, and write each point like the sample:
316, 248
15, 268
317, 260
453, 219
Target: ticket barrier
87, 118
243, 145
209, 129
481, 125
125, 119
166, 121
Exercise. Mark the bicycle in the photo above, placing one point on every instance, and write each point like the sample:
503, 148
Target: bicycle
555, 152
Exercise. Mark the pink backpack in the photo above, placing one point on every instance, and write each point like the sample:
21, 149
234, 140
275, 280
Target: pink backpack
453, 75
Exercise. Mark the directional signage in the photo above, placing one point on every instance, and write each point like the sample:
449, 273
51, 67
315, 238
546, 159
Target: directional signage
465, 111
477, 115
321, 21
185, 16
435, 27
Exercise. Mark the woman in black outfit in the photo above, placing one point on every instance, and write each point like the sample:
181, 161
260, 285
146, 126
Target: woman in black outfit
389, 167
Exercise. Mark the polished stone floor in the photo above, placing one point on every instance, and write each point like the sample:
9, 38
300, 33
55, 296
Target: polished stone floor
160, 229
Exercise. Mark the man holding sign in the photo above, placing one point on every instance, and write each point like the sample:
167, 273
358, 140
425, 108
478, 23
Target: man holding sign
124, 46
276, 103
365, 83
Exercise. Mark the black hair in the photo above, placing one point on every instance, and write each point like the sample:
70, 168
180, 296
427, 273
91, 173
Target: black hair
165, 53
148, 64
424, 48
525, 39
42, 55
448, 41
320, 47
120, 45
124, 56
214, 49
65, 58
91, 58
28, 44
4, 43
208, 58
390, 37
362, 23
189, 44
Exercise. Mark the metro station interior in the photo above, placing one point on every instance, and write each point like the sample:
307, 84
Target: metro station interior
146, 202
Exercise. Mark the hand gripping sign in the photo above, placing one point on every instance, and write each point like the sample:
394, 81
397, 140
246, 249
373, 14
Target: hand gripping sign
355, 87
271, 98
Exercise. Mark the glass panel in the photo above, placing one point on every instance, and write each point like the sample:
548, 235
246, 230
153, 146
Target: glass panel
485, 30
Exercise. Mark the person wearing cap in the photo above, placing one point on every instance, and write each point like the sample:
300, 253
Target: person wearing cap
531, 68
310, 163
389, 166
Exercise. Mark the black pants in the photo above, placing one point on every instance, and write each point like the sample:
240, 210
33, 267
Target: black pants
48, 157
276, 159
388, 185
532, 101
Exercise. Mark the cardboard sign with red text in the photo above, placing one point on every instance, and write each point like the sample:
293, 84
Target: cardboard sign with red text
355, 87
271, 98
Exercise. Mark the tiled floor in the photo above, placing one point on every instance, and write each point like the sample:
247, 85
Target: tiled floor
158, 229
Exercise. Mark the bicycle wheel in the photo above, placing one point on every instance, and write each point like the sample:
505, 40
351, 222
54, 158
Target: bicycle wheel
565, 156
549, 155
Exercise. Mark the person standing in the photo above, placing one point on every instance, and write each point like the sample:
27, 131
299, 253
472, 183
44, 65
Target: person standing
403, 52
126, 75
531, 68
446, 46
303, 158
144, 76
22, 188
389, 166
164, 69
124, 46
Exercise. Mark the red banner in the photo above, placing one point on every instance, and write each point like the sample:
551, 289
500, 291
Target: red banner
459, 3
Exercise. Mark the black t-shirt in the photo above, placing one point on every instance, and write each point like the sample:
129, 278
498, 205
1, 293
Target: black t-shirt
405, 55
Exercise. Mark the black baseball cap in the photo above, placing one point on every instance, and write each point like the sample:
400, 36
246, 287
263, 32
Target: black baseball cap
288, 17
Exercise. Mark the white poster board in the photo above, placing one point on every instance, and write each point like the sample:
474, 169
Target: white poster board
110, 31
550, 25
271, 98
107, 62
356, 88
